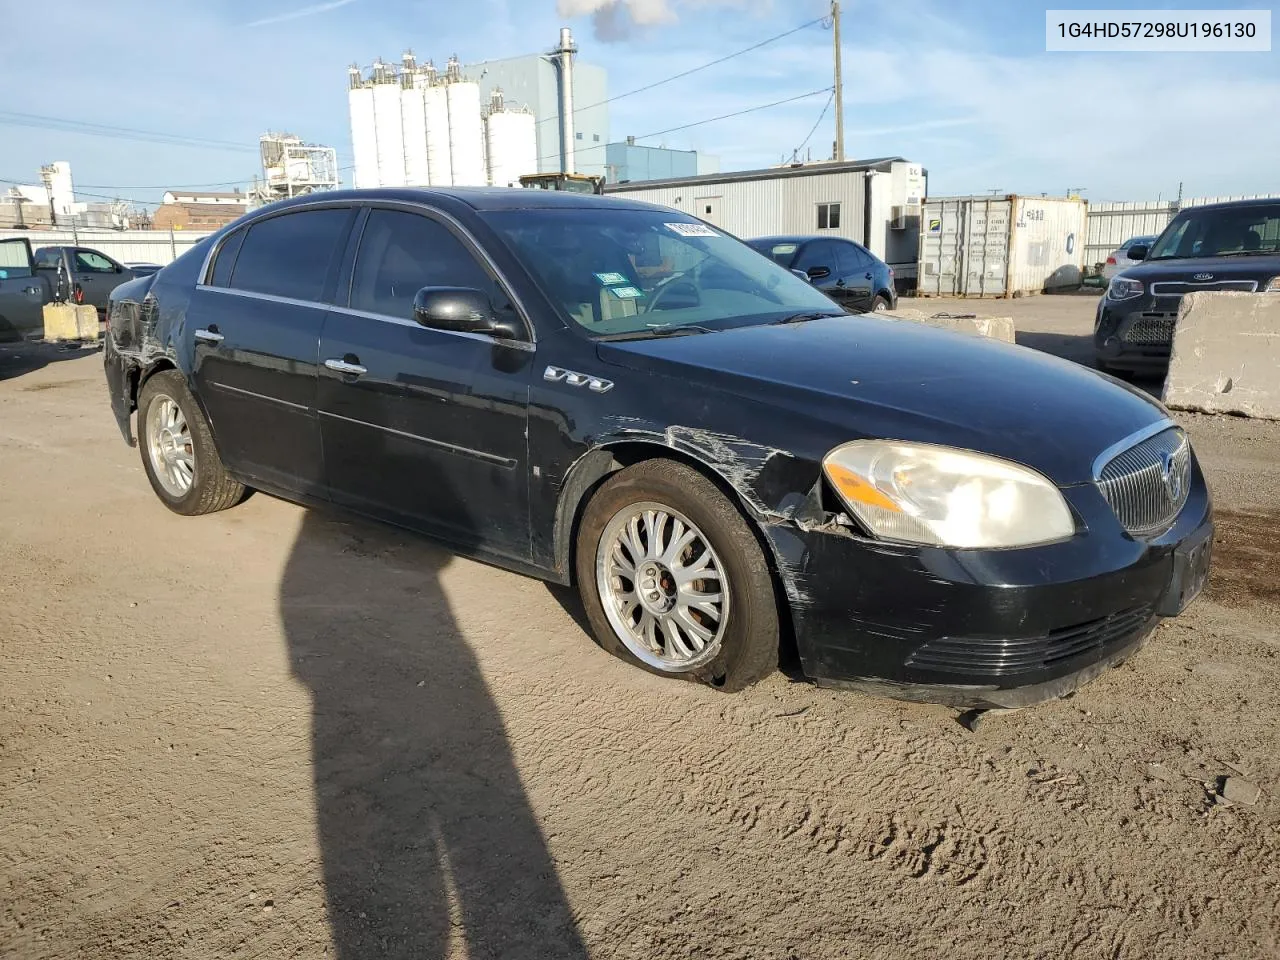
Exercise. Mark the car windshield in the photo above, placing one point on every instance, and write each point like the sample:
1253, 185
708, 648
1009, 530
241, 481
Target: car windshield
780, 252
619, 272
1221, 232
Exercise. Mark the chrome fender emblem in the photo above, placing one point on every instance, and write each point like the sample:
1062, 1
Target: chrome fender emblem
575, 379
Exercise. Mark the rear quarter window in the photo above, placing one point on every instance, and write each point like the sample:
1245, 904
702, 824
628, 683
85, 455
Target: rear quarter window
290, 255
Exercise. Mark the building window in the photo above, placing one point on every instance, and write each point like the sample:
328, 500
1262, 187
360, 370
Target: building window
579, 134
595, 137
828, 216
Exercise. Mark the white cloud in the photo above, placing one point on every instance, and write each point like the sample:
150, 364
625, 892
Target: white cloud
299, 14
613, 19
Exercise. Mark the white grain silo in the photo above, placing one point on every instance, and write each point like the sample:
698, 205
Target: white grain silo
435, 109
364, 133
413, 124
512, 141
390, 129
466, 132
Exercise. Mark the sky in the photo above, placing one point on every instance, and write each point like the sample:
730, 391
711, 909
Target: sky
963, 87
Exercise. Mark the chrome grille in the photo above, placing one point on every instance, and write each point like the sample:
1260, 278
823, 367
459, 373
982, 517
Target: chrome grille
1147, 329
1180, 287
1147, 484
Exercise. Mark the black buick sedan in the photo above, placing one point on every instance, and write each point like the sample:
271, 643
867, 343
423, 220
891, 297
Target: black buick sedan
608, 393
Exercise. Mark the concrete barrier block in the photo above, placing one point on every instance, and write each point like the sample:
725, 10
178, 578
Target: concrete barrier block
68, 321
1226, 355
998, 328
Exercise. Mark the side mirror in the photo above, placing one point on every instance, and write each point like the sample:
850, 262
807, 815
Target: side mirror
802, 275
819, 273
119, 269
460, 309
1139, 251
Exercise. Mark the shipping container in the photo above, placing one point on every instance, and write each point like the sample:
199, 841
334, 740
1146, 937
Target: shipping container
875, 202
1000, 246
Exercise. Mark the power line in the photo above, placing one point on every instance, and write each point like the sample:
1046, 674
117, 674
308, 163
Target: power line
805, 143
96, 196
10, 118
678, 76
170, 186
699, 123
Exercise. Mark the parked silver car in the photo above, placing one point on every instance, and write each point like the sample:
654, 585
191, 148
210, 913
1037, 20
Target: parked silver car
1119, 260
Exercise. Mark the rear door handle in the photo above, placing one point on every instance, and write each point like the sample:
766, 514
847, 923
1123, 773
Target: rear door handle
209, 336
342, 366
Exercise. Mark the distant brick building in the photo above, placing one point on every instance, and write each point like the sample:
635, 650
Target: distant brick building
183, 210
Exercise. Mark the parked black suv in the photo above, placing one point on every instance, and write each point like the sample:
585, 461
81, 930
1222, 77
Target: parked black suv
1223, 246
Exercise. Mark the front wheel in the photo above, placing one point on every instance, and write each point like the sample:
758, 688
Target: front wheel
879, 305
674, 581
178, 452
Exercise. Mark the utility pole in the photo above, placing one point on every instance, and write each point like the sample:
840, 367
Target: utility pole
835, 29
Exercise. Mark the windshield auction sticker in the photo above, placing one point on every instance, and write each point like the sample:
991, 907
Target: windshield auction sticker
1154, 31
609, 279
691, 229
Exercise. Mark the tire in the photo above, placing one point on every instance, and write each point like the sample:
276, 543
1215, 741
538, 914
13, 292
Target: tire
744, 647
208, 488
878, 305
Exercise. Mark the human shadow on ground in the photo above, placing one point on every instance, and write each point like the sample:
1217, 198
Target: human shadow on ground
26, 356
430, 845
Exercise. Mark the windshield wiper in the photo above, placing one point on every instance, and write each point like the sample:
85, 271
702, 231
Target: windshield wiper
659, 330
803, 317
1249, 253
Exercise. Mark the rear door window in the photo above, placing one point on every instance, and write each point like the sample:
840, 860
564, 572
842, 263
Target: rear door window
290, 255
400, 253
851, 259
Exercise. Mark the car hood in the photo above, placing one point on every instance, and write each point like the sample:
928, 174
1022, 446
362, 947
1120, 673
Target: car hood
1260, 268
877, 377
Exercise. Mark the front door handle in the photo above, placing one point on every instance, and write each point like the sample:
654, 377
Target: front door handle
209, 336
342, 366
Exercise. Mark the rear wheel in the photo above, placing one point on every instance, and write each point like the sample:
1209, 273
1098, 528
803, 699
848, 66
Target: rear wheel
178, 452
673, 579
879, 305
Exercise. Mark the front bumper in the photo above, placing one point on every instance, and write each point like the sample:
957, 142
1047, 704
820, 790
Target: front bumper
1135, 334
987, 628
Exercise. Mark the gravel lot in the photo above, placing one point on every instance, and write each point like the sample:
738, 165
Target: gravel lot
276, 732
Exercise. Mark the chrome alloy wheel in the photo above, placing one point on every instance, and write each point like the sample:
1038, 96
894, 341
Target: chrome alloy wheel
879, 307
169, 445
662, 587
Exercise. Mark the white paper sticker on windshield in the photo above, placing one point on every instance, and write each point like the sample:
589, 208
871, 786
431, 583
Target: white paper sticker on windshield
626, 293
691, 229
609, 279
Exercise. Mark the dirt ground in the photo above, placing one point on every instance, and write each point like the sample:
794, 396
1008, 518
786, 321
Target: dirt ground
276, 732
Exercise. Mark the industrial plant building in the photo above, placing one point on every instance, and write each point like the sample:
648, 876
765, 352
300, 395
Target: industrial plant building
415, 125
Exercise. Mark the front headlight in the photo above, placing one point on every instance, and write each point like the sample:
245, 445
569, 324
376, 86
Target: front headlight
1123, 288
1273, 286
922, 493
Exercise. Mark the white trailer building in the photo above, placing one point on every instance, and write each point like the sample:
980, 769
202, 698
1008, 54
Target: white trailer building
875, 202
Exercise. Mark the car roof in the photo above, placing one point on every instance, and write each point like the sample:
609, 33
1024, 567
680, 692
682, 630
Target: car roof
481, 198
798, 238
1235, 204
